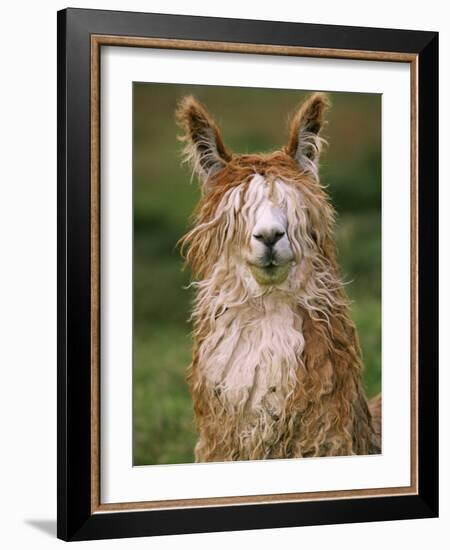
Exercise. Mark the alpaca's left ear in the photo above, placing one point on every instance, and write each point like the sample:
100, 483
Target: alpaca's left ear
305, 142
204, 148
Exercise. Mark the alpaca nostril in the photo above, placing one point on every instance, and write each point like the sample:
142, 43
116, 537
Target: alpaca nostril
269, 238
279, 235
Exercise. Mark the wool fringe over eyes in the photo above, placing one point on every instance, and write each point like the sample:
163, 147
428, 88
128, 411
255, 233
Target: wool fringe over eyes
275, 372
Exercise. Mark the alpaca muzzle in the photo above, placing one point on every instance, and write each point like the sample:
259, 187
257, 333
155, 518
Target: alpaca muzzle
270, 274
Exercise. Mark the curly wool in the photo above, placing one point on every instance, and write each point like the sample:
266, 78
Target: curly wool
276, 373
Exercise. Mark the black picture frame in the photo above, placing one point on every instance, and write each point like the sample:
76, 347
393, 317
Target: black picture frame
75, 518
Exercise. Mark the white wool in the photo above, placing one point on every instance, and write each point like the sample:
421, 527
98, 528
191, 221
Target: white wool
254, 351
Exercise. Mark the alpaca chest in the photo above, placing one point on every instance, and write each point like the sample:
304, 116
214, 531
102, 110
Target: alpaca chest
252, 356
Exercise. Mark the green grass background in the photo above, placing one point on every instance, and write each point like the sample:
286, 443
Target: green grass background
252, 120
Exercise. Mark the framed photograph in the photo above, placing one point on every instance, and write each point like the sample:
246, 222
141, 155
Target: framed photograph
247, 255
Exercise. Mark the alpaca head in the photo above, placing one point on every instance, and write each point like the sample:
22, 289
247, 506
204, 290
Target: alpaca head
263, 217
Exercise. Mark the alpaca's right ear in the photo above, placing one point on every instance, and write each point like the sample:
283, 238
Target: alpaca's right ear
204, 148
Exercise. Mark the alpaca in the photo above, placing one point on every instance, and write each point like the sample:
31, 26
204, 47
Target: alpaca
276, 363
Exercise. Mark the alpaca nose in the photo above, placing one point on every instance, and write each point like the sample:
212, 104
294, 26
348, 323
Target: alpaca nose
269, 236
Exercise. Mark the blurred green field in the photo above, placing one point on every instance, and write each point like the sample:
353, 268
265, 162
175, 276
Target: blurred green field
252, 120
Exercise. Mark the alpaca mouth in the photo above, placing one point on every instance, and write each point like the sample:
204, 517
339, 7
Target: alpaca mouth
270, 274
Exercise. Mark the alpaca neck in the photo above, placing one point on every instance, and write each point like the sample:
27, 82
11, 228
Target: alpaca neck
251, 355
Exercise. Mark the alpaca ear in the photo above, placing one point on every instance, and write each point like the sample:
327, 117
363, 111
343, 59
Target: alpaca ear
203, 145
305, 142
